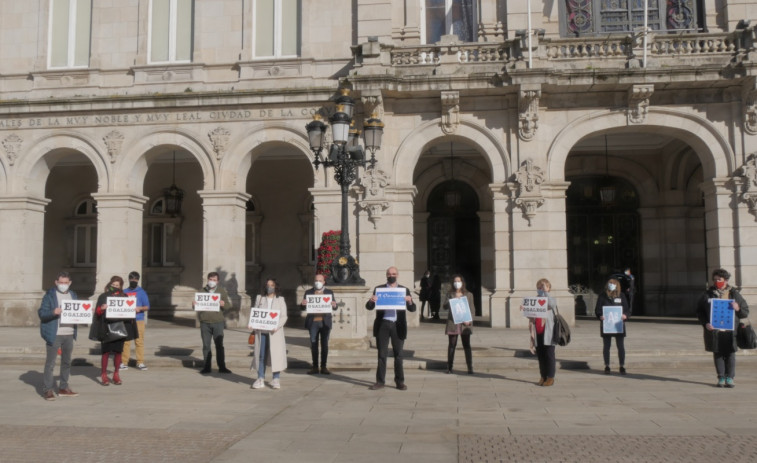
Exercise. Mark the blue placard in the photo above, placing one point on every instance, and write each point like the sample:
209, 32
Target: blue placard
613, 322
460, 310
721, 314
390, 299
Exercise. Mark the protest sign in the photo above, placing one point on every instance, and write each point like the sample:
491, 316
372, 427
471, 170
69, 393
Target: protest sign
319, 303
613, 322
121, 307
390, 299
76, 312
263, 319
460, 310
207, 302
535, 307
721, 314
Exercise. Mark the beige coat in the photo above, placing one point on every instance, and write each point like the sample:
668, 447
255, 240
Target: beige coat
277, 360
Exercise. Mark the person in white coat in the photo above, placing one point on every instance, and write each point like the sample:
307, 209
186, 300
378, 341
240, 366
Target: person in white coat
270, 346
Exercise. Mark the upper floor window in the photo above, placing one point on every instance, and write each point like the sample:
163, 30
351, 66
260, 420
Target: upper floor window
276, 28
593, 17
85, 234
171, 31
449, 17
70, 25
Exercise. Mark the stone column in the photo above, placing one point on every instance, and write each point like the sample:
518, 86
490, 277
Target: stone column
119, 235
502, 256
491, 28
21, 238
719, 204
224, 216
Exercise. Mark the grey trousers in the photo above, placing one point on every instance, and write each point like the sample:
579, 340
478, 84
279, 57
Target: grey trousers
66, 345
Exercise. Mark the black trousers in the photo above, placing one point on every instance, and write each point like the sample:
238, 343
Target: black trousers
619, 342
387, 332
546, 356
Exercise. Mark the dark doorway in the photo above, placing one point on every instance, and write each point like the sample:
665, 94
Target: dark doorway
454, 238
603, 233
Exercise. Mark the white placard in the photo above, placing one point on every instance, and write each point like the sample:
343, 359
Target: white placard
535, 307
263, 319
76, 312
460, 310
319, 303
121, 307
391, 299
207, 302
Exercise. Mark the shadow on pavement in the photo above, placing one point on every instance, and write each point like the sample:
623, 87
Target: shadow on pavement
644, 377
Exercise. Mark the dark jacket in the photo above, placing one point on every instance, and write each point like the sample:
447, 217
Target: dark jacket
310, 316
48, 326
401, 318
604, 300
425, 288
216, 317
720, 341
99, 328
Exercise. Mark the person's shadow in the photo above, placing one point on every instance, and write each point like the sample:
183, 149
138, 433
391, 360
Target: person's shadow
35, 378
644, 377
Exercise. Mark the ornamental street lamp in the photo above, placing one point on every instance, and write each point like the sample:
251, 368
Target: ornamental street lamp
345, 155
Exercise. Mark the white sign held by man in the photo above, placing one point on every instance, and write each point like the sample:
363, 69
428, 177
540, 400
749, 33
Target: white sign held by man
263, 319
121, 307
207, 302
535, 307
76, 312
391, 299
319, 303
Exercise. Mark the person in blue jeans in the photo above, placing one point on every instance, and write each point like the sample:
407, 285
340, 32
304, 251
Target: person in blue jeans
270, 346
319, 325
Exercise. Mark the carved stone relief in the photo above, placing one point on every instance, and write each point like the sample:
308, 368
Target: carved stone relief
529, 178
748, 172
528, 112
450, 111
750, 107
114, 140
373, 183
219, 138
638, 103
12, 145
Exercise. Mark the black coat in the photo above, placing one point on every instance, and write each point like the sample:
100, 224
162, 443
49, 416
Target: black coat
604, 300
310, 316
401, 317
99, 327
720, 341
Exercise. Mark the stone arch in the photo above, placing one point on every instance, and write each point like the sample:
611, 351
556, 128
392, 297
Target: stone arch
471, 133
241, 153
635, 173
710, 146
134, 163
475, 178
34, 167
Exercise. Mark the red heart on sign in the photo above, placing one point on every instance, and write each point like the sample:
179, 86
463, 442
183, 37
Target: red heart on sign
326, 299
215, 298
274, 314
86, 306
542, 301
130, 303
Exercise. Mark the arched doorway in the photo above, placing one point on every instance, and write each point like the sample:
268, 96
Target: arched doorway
454, 237
603, 232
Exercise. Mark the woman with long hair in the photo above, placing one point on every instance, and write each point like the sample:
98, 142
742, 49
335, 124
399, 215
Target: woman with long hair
454, 330
270, 346
613, 296
111, 344
541, 330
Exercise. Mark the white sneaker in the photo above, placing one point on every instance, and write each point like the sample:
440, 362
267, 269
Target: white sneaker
142, 366
258, 384
124, 367
275, 383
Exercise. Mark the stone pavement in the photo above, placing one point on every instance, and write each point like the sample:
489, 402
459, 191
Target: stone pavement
666, 409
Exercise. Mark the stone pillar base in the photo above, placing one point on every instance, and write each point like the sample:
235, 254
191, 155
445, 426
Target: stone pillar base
20, 308
351, 320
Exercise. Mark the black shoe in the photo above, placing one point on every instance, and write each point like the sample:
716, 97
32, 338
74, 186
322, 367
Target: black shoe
470, 371
205, 371
224, 370
376, 386
325, 371
607, 370
313, 371
402, 386
622, 371
449, 371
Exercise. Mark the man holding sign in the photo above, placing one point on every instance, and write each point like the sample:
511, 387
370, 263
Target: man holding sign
57, 336
319, 302
390, 323
212, 323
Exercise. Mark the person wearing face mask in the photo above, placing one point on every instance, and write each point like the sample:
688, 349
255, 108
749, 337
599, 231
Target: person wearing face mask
270, 346
541, 330
319, 325
211, 326
57, 336
99, 331
143, 305
612, 296
722, 343
454, 330
390, 325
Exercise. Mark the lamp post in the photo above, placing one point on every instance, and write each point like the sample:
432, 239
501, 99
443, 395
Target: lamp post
345, 155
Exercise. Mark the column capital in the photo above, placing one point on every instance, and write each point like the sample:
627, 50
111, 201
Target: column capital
29, 203
115, 200
717, 186
224, 198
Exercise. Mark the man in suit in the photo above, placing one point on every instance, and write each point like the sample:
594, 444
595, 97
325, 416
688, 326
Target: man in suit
319, 325
390, 325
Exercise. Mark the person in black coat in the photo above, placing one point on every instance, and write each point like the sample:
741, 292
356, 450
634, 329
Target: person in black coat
319, 325
722, 343
425, 291
99, 331
612, 296
435, 297
390, 325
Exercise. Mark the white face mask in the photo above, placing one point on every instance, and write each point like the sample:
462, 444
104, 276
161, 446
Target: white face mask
458, 284
63, 288
318, 285
212, 284
611, 286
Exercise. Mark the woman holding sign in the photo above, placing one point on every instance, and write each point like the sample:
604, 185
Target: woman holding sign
111, 332
541, 330
270, 345
463, 329
722, 342
613, 297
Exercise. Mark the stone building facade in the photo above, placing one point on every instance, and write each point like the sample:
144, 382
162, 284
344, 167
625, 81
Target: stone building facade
555, 139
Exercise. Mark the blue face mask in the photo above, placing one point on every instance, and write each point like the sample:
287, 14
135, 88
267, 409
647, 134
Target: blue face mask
542, 293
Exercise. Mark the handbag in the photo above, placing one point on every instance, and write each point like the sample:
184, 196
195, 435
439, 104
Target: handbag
746, 338
115, 331
251, 339
561, 330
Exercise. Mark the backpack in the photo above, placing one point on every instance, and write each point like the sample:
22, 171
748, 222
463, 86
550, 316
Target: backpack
561, 331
